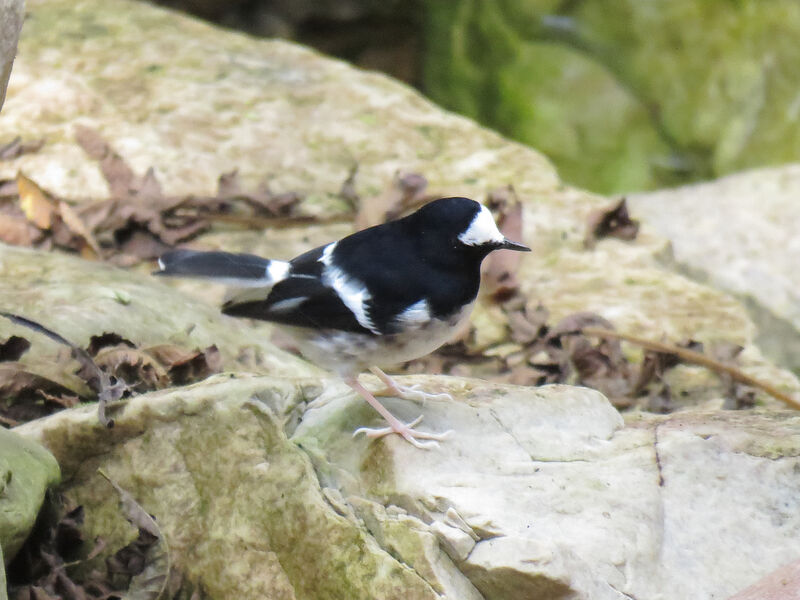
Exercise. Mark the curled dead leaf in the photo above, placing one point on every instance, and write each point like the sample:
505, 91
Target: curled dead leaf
613, 221
185, 366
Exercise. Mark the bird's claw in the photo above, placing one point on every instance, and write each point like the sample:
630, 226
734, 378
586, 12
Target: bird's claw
414, 393
408, 432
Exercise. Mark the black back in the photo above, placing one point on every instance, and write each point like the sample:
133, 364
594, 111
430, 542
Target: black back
400, 263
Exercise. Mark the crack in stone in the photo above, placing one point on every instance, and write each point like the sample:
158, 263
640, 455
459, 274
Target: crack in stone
628, 596
531, 456
511, 435
658, 456
659, 489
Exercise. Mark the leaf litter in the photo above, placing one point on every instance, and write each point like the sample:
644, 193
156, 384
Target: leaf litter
138, 221
57, 562
110, 368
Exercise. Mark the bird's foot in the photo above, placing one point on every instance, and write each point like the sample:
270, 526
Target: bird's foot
412, 392
408, 433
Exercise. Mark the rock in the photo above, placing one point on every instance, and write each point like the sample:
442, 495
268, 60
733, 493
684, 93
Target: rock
559, 496
739, 234
623, 96
27, 470
194, 102
82, 299
11, 14
240, 505
563, 499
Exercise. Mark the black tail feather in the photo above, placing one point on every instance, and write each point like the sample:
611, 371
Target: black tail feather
215, 265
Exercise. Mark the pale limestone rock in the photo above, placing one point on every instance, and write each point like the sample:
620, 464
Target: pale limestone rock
740, 234
565, 499
27, 470
239, 504
11, 14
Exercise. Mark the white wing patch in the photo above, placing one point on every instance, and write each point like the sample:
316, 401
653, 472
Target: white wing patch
415, 316
287, 305
352, 292
277, 270
482, 230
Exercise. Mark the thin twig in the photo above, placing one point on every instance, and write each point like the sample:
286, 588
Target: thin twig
696, 358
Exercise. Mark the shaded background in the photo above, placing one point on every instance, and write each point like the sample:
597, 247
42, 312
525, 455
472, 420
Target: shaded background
622, 95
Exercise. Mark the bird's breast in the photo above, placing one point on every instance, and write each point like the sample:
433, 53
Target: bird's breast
348, 353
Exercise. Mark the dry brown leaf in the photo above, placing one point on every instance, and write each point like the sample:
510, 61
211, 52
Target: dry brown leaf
612, 221
106, 339
185, 366
77, 226
18, 384
139, 369
230, 193
500, 268
524, 330
118, 174
91, 141
37, 204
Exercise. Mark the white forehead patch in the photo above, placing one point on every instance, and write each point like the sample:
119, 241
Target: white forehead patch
482, 230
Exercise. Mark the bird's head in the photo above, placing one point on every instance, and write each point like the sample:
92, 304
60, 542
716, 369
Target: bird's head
467, 225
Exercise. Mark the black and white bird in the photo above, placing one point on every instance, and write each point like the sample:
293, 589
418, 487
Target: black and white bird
381, 296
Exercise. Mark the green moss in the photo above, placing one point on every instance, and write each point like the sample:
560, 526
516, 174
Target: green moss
624, 95
27, 470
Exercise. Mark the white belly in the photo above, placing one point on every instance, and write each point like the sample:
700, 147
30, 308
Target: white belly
347, 353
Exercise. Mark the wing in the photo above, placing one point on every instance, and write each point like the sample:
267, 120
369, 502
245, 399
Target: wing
302, 299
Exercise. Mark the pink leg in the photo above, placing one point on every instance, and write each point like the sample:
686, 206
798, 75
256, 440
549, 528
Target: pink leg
408, 432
